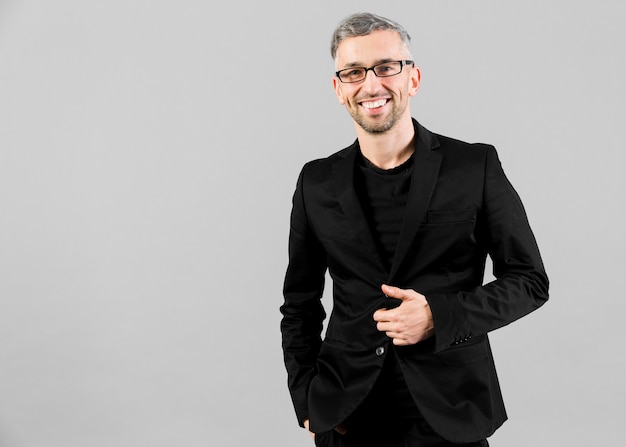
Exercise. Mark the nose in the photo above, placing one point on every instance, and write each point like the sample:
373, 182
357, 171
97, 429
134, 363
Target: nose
371, 81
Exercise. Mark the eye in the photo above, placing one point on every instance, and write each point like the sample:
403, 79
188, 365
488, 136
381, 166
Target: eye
385, 68
353, 73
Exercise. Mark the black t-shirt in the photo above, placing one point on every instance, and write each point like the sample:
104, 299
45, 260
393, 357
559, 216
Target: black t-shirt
383, 194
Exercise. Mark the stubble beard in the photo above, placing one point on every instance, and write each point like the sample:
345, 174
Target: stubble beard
376, 127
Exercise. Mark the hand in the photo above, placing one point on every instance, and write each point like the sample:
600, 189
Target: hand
410, 322
341, 429
306, 426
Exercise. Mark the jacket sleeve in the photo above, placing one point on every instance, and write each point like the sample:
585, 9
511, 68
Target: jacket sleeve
302, 310
521, 283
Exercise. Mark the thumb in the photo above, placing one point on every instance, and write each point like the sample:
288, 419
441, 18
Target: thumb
396, 292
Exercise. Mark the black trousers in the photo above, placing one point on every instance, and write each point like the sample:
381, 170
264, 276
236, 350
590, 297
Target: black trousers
388, 418
404, 434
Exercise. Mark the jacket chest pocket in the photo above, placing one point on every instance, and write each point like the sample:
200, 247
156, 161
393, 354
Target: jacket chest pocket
447, 239
450, 217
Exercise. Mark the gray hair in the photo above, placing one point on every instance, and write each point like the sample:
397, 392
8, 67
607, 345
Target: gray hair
363, 24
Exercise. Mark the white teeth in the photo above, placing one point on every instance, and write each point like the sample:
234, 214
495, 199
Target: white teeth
372, 105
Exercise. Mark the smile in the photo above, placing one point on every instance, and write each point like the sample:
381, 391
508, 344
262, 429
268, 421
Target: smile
374, 104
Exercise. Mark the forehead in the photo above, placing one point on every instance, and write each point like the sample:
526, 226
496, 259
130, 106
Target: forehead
370, 49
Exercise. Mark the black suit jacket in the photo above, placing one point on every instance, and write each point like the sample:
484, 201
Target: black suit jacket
461, 208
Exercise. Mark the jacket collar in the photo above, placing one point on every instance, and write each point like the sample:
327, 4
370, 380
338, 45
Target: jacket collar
425, 172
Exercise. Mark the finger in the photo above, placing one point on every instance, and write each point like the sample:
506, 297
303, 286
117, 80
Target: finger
387, 316
400, 341
378, 315
396, 292
381, 315
384, 326
397, 338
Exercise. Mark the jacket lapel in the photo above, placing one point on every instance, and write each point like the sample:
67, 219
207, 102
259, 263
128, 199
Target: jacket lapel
426, 166
343, 172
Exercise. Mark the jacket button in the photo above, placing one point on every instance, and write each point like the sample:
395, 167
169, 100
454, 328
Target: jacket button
380, 351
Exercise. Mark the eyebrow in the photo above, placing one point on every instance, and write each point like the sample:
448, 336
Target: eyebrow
360, 64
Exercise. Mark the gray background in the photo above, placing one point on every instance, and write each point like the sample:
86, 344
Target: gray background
148, 154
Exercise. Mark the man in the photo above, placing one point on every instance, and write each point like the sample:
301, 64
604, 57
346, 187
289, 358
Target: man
403, 220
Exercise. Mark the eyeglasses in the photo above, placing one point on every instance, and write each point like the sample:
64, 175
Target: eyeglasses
382, 70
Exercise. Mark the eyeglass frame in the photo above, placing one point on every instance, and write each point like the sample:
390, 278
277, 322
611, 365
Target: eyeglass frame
403, 63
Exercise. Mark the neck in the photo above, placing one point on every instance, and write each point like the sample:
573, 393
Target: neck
389, 149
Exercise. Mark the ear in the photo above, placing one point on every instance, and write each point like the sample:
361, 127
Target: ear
414, 81
338, 92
